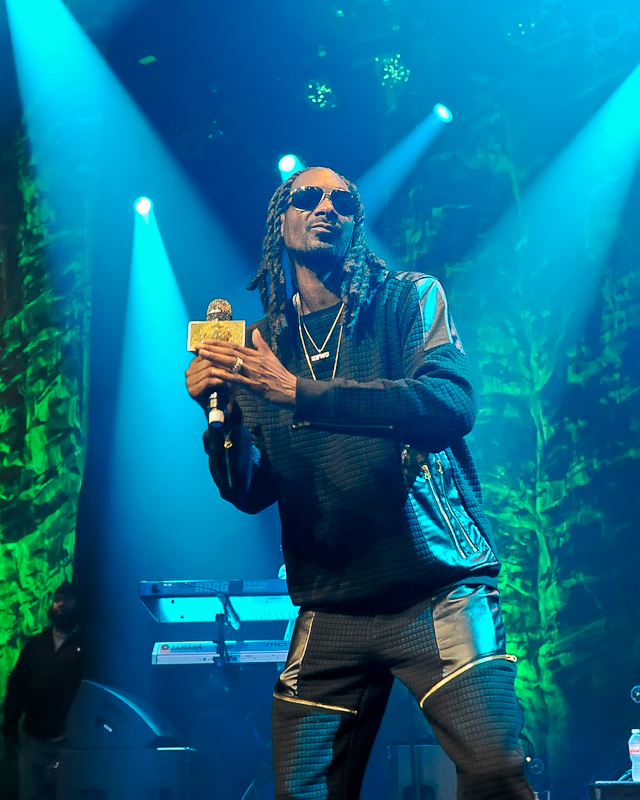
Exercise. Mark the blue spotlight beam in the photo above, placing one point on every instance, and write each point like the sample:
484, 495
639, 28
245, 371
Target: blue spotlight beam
151, 399
156, 418
379, 183
64, 82
61, 104
559, 236
577, 201
591, 178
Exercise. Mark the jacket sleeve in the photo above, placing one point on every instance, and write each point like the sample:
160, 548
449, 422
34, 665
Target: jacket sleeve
13, 704
427, 403
240, 467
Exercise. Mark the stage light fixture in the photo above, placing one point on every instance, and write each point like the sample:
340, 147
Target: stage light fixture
143, 206
391, 70
442, 112
320, 94
288, 165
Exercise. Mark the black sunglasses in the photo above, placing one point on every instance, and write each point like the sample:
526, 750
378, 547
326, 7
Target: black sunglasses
307, 198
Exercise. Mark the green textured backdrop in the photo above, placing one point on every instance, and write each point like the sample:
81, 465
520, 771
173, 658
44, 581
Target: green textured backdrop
45, 292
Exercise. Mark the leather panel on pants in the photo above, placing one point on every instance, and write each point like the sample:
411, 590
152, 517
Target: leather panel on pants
286, 687
467, 624
287, 683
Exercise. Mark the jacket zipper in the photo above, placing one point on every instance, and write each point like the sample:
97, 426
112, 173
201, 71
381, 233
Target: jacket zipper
451, 511
443, 513
227, 444
301, 423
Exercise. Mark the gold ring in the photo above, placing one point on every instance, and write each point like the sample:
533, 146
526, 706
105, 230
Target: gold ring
237, 366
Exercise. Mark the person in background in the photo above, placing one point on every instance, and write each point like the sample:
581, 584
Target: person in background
40, 691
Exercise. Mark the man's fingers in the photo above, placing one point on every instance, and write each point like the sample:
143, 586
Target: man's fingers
255, 368
217, 346
259, 343
202, 376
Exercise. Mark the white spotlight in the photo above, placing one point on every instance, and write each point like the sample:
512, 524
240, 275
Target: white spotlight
288, 165
143, 206
442, 112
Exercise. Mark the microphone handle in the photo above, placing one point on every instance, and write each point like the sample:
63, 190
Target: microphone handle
217, 407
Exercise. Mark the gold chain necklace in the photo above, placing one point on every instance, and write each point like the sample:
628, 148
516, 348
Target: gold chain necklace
328, 336
298, 305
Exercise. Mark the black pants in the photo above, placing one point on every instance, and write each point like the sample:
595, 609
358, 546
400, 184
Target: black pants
450, 653
34, 756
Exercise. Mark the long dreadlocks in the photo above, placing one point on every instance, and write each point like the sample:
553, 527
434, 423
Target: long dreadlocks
363, 272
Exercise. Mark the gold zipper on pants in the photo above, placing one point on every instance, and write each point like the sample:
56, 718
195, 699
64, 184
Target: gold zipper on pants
314, 705
441, 683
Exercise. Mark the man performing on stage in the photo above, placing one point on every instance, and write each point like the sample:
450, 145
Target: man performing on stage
350, 411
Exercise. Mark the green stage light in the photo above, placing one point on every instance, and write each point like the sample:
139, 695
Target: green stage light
320, 94
391, 70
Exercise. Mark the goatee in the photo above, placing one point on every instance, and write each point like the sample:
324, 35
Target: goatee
64, 621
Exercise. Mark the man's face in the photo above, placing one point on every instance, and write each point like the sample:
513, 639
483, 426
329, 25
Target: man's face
63, 612
321, 235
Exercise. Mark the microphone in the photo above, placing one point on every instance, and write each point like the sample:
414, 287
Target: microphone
218, 325
218, 311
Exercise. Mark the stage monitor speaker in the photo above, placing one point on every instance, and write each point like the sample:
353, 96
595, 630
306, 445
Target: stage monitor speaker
614, 790
123, 775
103, 718
421, 772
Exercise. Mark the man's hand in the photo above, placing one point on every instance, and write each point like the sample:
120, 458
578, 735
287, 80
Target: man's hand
259, 372
202, 380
